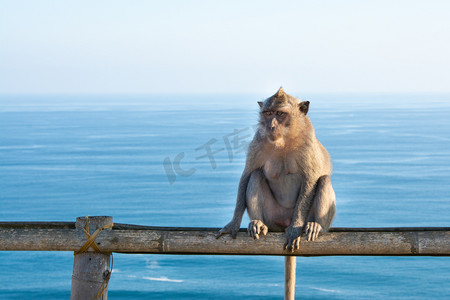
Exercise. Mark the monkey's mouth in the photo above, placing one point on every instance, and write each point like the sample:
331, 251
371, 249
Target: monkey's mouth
273, 137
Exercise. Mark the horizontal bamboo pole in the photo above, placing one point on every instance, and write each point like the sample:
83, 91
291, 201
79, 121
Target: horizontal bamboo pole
63, 236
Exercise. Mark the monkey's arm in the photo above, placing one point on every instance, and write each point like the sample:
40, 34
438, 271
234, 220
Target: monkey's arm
252, 163
301, 211
235, 223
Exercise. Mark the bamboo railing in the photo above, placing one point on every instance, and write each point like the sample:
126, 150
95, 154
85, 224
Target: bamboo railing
124, 238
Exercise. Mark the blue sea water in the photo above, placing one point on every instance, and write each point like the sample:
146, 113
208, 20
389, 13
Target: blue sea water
144, 160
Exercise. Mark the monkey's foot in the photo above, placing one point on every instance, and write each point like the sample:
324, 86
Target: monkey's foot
232, 228
257, 227
312, 230
292, 238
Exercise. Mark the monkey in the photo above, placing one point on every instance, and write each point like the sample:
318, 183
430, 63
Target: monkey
286, 184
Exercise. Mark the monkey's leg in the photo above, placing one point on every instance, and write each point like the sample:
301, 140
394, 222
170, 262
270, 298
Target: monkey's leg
264, 211
323, 208
257, 192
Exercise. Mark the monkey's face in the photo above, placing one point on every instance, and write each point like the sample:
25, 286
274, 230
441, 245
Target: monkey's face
275, 122
282, 117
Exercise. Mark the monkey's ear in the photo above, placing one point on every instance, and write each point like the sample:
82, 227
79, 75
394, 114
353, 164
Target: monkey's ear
260, 104
304, 107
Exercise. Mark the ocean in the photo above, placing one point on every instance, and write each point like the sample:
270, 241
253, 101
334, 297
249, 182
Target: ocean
175, 160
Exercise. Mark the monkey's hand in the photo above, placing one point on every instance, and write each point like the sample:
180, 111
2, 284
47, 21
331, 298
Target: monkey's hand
257, 227
312, 230
232, 227
293, 238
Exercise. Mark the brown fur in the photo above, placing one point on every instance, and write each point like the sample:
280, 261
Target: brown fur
286, 182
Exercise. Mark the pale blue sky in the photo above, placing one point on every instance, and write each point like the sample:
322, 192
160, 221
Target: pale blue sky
224, 46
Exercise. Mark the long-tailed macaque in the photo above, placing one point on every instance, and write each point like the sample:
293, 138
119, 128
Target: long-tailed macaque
286, 182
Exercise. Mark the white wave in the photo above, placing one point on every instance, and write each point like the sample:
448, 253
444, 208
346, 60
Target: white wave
326, 290
162, 278
125, 135
21, 147
152, 264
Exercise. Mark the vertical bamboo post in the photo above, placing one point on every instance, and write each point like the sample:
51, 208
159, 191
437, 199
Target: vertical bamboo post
90, 269
289, 277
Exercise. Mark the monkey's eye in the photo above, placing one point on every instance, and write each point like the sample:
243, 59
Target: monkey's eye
267, 113
280, 113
